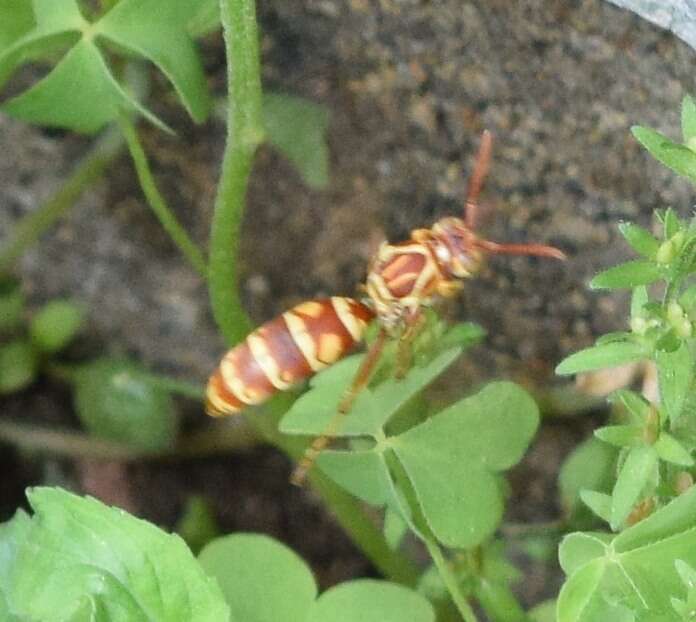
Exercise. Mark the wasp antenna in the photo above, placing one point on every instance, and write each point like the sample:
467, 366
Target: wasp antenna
478, 177
535, 250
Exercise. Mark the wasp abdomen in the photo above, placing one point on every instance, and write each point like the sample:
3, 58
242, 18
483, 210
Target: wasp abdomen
285, 351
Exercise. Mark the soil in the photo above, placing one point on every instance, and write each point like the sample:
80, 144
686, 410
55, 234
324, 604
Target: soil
410, 85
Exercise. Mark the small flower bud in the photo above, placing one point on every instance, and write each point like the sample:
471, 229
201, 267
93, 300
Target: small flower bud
675, 313
639, 325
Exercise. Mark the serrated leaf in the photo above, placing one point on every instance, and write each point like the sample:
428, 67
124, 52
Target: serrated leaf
372, 409
671, 450
368, 600
297, 128
633, 477
60, 98
165, 42
675, 374
590, 466
598, 502
452, 459
262, 580
629, 274
77, 548
673, 155
115, 400
637, 568
55, 325
18, 366
599, 357
641, 240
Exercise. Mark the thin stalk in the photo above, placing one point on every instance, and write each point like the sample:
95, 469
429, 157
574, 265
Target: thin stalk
244, 135
449, 579
156, 201
210, 441
105, 150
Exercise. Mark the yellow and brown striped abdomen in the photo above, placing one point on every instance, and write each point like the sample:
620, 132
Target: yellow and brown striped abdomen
285, 351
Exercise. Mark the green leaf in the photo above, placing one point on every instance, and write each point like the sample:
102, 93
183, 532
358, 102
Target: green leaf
639, 298
11, 304
635, 474
372, 409
452, 460
591, 465
361, 473
463, 335
544, 612
55, 325
671, 223
297, 128
637, 407
60, 98
18, 366
115, 400
197, 526
636, 569
671, 450
598, 502
16, 19
368, 600
688, 119
641, 240
156, 30
599, 357
77, 549
262, 580
629, 274
395, 528
675, 373
577, 549
677, 157
206, 19
621, 435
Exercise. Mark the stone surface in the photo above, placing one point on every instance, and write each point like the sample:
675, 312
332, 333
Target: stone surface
410, 85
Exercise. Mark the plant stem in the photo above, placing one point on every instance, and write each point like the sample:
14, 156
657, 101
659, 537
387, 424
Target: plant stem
156, 200
91, 168
244, 134
449, 579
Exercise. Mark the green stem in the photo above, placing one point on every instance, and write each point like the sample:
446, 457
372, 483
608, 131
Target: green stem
449, 579
156, 200
91, 168
244, 134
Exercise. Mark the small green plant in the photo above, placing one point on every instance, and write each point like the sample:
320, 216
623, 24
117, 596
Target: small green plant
639, 569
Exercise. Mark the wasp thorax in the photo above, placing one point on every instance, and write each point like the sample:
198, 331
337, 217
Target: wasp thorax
455, 248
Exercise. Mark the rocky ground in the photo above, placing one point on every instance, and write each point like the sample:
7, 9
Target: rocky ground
410, 85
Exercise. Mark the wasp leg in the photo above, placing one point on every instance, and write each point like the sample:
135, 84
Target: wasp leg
404, 354
359, 383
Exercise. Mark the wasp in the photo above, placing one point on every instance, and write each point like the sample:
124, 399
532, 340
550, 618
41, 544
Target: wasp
402, 280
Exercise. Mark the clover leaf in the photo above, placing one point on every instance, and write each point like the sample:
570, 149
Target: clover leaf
83, 91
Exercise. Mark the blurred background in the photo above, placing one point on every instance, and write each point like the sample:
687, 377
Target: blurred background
409, 86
